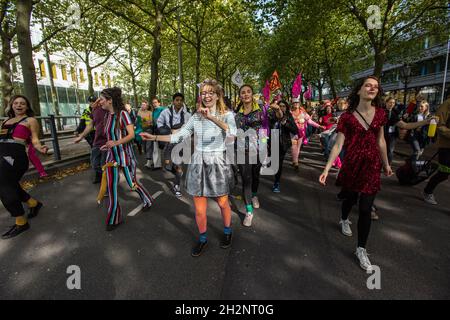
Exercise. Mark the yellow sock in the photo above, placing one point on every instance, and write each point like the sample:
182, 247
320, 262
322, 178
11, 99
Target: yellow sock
32, 203
20, 221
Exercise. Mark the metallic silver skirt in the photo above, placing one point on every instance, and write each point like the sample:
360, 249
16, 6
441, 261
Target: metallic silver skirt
208, 175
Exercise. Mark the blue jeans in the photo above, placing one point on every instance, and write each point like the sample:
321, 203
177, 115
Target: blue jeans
98, 159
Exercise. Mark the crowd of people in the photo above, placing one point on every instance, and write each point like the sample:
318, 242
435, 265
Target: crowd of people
357, 136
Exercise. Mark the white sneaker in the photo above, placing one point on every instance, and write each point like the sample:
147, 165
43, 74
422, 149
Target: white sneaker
255, 202
177, 191
148, 164
429, 198
248, 220
345, 227
364, 261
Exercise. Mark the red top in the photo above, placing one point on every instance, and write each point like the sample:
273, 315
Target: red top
326, 121
22, 132
362, 161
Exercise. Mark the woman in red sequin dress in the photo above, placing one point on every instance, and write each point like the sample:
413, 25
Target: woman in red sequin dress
361, 134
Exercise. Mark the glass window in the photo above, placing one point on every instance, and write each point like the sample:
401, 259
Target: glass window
82, 79
96, 79
54, 74
73, 74
64, 72
42, 69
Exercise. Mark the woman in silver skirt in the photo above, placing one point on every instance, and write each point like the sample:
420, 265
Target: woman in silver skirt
209, 174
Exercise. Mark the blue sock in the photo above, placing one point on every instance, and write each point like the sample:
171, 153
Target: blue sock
227, 230
203, 237
249, 208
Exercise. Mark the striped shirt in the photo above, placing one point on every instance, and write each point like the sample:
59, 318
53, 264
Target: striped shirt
209, 136
122, 154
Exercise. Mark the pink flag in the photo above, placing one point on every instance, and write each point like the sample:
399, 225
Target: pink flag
308, 94
266, 92
297, 86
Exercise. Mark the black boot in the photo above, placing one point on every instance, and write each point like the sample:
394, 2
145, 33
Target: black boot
34, 211
199, 248
15, 231
225, 242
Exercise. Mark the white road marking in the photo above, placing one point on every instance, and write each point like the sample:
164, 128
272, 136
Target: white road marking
136, 210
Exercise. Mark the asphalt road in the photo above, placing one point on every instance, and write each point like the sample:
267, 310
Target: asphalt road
294, 249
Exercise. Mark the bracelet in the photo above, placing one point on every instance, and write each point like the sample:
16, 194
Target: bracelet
156, 138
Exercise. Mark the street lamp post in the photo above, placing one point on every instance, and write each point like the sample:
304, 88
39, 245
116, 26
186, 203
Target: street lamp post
405, 73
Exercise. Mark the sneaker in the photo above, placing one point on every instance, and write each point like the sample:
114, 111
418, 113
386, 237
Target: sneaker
429, 198
364, 261
225, 242
177, 191
15, 231
199, 248
248, 220
345, 227
255, 202
43, 175
276, 188
111, 227
374, 216
148, 164
34, 211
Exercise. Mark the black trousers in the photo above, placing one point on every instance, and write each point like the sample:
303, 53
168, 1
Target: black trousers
365, 210
282, 155
13, 165
250, 180
444, 159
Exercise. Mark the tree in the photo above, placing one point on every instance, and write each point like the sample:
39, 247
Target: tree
141, 13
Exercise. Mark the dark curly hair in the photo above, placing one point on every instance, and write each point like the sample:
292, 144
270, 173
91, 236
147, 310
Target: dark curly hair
11, 113
353, 98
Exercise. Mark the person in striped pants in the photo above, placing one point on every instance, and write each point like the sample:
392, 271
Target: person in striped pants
119, 130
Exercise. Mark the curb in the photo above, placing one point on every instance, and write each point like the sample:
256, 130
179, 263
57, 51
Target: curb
53, 167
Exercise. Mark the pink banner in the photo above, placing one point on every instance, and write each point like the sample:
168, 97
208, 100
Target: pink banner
297, 86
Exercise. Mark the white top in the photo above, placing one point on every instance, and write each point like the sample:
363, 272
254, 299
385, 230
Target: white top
164, 117
210, 137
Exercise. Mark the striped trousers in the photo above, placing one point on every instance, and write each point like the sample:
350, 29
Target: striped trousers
112, 175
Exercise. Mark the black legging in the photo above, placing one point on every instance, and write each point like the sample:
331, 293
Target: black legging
444, 160
250, 180
13, 165
365, 210
282, 154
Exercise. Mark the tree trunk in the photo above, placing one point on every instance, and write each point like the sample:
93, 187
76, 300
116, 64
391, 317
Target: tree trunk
89, 77
180, 56
6, 84
156, 55
135, 95
24, 8
52, 82
198, 50
319, 88
380, 57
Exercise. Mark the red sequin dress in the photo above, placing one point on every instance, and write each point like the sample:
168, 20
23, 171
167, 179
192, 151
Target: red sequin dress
362, 165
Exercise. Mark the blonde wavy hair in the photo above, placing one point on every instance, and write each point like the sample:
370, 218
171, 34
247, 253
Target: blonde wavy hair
221, 107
